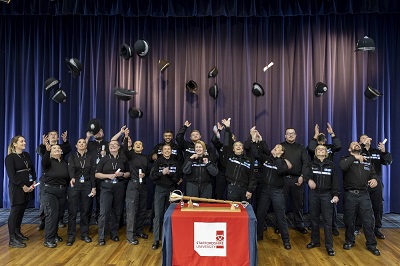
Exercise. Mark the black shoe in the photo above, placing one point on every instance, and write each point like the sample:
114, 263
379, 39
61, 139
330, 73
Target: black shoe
50, 244
374, 251
70, 242
302, 230
313, 245
151, 229
15, 243
330, 251
21, 237
102, 242
287, 245
87, 239
335, 232
142, 235
276, 231
115, 238
133, 241
58, 239
348, 246
379, 234
41, 226
155, 245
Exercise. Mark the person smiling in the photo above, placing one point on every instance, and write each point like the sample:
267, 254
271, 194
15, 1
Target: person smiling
22, 176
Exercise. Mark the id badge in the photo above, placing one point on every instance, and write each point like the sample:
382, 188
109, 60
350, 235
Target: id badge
98, 160
115, 181
30, 178
82, 179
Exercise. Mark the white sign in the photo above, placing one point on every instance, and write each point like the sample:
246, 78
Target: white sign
210, 239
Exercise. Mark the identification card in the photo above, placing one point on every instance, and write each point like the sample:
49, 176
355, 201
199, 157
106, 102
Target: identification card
82, 179
30, 178
115, 181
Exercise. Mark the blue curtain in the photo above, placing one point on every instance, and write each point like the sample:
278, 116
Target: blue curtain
305, 49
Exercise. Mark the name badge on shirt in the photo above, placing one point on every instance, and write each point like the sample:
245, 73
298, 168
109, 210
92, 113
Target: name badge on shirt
82, 179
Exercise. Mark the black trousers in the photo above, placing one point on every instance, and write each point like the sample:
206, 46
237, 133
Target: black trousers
111, 206
236, 193
53, 205
376, 196
199, 190
161, 203
78, 199
320, 204
220, 185
136, 207
295, 195
359, 204
15, 219
265, 196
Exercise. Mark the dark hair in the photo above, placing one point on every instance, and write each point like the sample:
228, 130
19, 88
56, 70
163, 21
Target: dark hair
53, 130
168, 131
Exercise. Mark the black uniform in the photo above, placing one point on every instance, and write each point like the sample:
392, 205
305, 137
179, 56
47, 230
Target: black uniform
20, 171
136, 193
81, 168
271, 191
165, 184
198, 177
356, 198
256, 150
239, 171
297, 156
54, 180
220, 180
324, 175
176, 151
332, 149
112, 194
94, 149
377, 158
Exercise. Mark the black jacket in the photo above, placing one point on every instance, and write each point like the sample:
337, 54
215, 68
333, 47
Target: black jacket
273, 170
136, 161
55, 172
296, 154
198, 172
377, 158
324, 175
168, 181
332, 148
82, 165
355, 173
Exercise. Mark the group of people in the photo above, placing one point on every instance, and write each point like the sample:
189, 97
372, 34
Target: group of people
115, 173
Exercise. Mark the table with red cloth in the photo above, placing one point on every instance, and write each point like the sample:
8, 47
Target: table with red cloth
209, 238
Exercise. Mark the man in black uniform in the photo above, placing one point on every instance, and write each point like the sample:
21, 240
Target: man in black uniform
320, 139
255, 148
97, 149
358, 175
270, 190
166, 173
176, 153
377, 157
294, 188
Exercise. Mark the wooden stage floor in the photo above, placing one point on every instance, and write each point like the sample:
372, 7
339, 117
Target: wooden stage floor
270, 250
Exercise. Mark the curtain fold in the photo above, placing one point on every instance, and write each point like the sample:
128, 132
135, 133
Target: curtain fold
198, 8
304, 49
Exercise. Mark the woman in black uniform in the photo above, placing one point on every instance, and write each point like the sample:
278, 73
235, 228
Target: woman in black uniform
112, 170
21, 174
55, 178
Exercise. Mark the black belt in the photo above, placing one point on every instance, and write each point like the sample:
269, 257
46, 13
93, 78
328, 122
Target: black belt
356, 191
256, 170
237, 185
23, 170
55, 186
292, 176
134, 180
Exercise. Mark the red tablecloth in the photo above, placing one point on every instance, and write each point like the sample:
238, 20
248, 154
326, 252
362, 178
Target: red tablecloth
210, 238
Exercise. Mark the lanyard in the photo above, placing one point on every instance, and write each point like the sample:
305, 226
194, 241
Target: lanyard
25, 161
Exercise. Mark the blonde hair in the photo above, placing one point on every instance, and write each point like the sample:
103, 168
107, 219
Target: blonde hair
11, 148
202, 144
325, 148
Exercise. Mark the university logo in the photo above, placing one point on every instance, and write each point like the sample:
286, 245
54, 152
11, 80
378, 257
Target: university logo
210, 239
